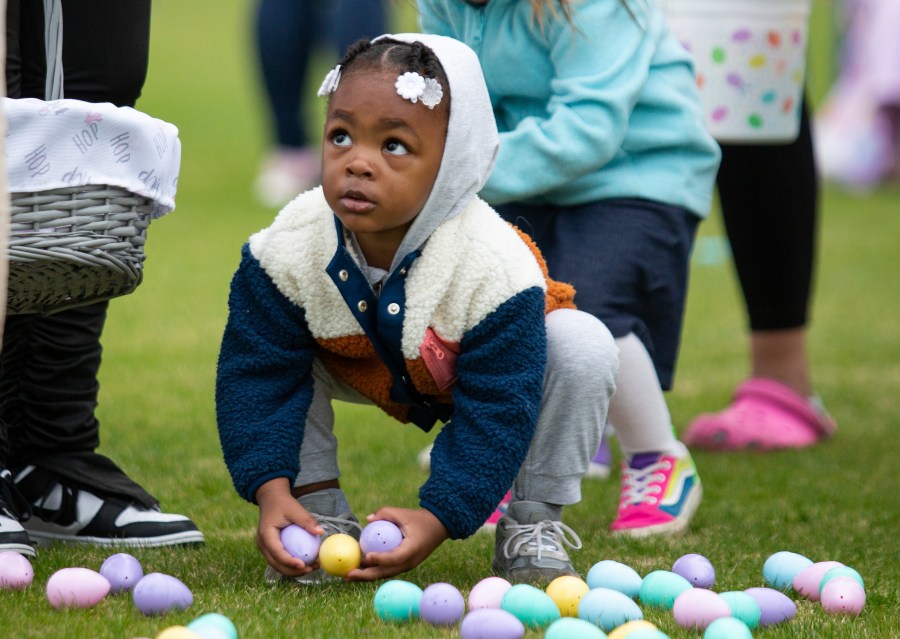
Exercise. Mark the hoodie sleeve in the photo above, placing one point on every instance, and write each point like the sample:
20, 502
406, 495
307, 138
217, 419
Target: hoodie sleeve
497, 400
264, 383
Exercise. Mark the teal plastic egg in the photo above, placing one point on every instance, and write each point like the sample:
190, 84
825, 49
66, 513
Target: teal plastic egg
212, 622
573, 628
608, 608
743, 607
660, 588
840, 571
727, 628
646, 633
397, 601
616, 576
532, 606
780, 569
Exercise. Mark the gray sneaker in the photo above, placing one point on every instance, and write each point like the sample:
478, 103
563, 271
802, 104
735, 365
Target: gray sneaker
531, 542
322, 506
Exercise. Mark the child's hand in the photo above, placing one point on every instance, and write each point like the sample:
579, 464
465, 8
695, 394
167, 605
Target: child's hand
278, 509
422, 533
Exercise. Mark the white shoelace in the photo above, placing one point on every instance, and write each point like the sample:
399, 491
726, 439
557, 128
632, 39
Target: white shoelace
337, 524
545, 537
641, 485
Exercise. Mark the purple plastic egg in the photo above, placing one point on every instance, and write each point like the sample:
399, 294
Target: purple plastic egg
491, 623
16, 572
122, 571
807, 581
697, 569
76, 588
380, 536
157, 594
843, 596
442, 604
774, 606
488, 593
301, 543
698, 607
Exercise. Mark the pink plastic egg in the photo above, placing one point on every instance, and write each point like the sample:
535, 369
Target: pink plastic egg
442, 604
301, 543
491, 623
806, 583
488, 593
16, 572
697, 569
774, 606
122, 571
157, 594
380, 536
76, 588
698, 607
843, 596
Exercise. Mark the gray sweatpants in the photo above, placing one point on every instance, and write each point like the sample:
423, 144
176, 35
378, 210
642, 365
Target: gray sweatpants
582, 363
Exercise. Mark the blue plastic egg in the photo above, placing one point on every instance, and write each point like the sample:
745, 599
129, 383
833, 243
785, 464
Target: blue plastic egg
491, 623
212, 623
660, 588
608, 608
532, 606
442, 604
727, 628
774, 606
697, 569
123, 572
397, 600
616, 576
743, 607
573, 628
780, 569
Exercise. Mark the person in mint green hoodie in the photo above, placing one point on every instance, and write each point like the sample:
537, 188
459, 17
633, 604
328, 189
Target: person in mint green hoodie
606, 162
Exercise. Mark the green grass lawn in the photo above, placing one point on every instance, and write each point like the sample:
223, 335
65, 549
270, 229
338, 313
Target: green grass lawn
838, 501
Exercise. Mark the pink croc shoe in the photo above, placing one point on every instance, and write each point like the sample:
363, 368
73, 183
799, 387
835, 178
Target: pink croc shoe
490, 523
764, 415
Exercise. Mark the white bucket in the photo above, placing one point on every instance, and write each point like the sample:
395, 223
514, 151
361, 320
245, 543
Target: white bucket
750, 61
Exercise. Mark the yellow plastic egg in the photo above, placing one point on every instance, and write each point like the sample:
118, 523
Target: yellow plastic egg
566, 592
177, 632
630, 626
339, 554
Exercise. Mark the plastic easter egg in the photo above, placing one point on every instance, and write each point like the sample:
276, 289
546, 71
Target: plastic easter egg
697, 569
301, 543
780, 569
397, 600
616, 576
491, 623
841, 571
646, 633
488, 593
76, 588
157, 594
177, 632
442, 604
743, 607
608, 608
698, 607
380, 536
727, 628
339, 554
843, 596
807, 581
16, 572
532, 606
774, 606
660, 588
629, 627
123, 571
573, 628
566, 592
211, 623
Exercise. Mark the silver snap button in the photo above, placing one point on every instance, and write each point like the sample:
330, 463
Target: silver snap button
343, 274
393, 308
362, 306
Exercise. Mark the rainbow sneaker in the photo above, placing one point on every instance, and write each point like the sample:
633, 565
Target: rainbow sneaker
660, 494
491, 523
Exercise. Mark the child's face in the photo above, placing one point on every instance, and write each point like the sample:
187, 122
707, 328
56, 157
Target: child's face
380, 157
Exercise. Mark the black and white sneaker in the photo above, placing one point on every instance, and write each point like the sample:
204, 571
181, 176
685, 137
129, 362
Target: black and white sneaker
13, 507
69, 514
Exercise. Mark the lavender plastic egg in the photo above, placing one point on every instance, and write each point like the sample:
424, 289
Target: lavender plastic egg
76, 588
301, 543
727, 628
780, 568
442, 604
572, 628
774, 606
698, 607
380, 536
491, 623
16, 572
488, 593
616, 576
743, 607
660, 588
123, 571
807, 581
397, 601
697, 569
157, 594
843, 596
607, 608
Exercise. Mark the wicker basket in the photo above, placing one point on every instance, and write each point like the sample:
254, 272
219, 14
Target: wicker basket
75, 246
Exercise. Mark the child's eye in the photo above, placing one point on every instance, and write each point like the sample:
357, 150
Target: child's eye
395, 148
341, 138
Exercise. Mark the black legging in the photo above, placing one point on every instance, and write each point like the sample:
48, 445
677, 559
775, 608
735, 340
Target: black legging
769, 199
49, 363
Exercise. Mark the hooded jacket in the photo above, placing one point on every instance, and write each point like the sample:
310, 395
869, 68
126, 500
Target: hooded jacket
455, 334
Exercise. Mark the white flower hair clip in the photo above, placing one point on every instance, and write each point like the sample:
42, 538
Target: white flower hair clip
330, 83
413, 87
